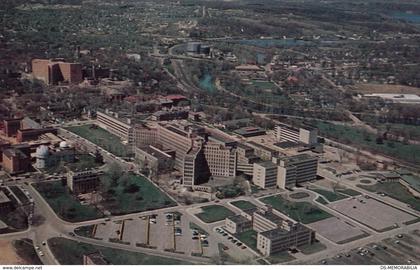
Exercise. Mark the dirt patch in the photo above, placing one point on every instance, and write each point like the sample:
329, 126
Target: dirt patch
384, 89
8, 254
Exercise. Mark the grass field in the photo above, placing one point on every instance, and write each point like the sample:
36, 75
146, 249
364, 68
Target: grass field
396, 191
102, 138
213, 213
243, 205
132, 193
348, 191
249, 238
299, 195
83, 161
321, 200
64, 204
355, 136
69, 252
300, 211
85, 231
313, 248
329, 195
26, 250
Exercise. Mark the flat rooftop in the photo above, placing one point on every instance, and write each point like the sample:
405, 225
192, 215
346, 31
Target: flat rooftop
270, 216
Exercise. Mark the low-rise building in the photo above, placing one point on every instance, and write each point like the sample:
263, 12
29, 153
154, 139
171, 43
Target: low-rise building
265, 220
49, 157
237, 224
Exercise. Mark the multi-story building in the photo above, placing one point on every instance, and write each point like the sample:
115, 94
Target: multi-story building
305, 134
154, 159
195, 168
145, 135
288, 235
5, 203
220, 158
117, 126
53, 71
265, 220
245, 159
3, 146
297, 169
24, 135
11, 126
237, 224
265, 174
262, 151
82, 181
16, 160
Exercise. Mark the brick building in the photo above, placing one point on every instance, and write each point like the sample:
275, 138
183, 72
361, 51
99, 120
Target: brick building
53, 71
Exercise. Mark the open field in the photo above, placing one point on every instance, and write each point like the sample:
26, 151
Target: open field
372, 213
213, 213
18, 252
300, 211
355, 136
132, 193
243, 205
337, 230
70, 252
64, 204
372, 88
396, 191
101, 137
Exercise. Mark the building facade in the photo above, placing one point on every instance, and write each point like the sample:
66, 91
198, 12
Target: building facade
265, 174
297, 169
82, 181
306, 135
237, 224
117, 126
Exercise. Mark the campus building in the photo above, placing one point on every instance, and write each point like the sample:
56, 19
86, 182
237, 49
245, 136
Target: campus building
305, 134
220, 158
288, 236
117, 126
265, 174
17, 159
265, 220
245, 159
82, 181
47, 157
53, 71
297, 169
237, 224
154, 159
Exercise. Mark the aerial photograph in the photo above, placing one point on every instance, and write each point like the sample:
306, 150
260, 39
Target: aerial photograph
210, 132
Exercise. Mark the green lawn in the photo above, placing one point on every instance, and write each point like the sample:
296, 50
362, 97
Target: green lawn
348, 191
26, 250
83, 161
355, 136
321, 200
132, 193
194, 226
396, 191
313, 248
102, 138
329, 195
249, 238
299, 195
300, 211
64, 204
85, 231
69, 252
243, 205
213, 213
280, 257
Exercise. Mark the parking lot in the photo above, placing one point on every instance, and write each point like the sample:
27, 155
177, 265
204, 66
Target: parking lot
399, 250
165, 231
337, 230
372, 213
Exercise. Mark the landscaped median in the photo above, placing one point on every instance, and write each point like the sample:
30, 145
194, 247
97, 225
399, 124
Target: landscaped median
304, 212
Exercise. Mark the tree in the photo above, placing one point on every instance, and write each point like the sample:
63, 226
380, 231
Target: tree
115, 172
